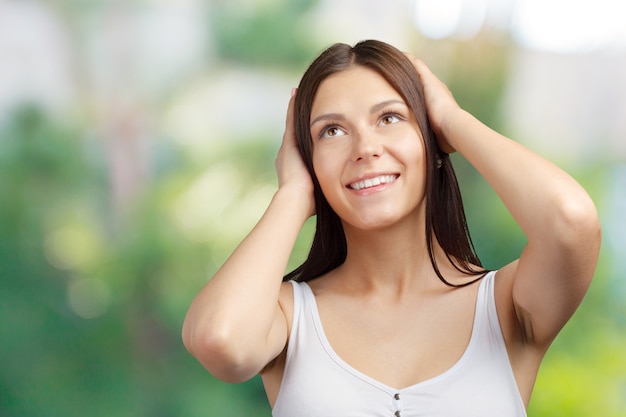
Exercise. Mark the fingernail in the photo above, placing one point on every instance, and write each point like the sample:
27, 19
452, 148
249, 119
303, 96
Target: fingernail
294, 91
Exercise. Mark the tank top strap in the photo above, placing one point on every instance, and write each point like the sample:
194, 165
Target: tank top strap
484, 295
298, 307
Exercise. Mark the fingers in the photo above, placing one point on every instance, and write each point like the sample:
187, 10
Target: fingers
418, 64
423, 71
289, 144
289, 135
427, 77
440, 102
289, 122
291, 170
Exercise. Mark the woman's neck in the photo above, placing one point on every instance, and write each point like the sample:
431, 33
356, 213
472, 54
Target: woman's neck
394, 259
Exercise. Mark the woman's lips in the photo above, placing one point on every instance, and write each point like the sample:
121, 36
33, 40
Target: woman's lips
372, 181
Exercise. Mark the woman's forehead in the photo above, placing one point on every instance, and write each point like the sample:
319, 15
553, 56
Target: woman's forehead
356, 83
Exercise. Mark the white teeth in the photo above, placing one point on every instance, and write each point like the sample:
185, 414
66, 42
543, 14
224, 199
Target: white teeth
372, 182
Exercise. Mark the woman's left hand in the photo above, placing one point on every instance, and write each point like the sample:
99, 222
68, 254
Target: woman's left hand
557, 216
440, 103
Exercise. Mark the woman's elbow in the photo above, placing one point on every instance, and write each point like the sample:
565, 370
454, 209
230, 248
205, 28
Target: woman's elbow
215, 348
578, 223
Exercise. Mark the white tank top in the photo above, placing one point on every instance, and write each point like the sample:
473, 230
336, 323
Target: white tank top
318, 383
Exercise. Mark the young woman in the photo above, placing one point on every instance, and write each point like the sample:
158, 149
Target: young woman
392, 313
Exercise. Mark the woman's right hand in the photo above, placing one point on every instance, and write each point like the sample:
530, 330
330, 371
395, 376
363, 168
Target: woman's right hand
293, 175
236, 324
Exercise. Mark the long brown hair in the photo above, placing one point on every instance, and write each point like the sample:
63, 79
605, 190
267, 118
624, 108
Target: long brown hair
445, 217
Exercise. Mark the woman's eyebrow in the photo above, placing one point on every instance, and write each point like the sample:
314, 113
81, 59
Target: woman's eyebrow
328, 116
378, 107
374, 109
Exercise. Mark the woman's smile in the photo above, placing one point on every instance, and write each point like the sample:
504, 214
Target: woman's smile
375, 182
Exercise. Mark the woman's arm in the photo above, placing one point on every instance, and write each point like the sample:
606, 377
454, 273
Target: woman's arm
554, 212
235, 325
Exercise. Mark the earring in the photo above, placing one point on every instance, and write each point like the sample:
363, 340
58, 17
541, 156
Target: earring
439, 162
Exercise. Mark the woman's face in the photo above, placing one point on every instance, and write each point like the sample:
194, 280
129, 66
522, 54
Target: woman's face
368, 153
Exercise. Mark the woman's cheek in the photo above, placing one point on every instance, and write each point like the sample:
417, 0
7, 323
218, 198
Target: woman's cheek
328, 173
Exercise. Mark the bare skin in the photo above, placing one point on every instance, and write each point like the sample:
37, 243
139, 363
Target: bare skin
386, 296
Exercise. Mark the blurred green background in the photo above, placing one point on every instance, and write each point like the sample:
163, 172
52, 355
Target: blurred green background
137, 141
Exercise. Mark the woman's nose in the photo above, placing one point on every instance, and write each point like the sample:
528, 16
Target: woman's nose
366, 146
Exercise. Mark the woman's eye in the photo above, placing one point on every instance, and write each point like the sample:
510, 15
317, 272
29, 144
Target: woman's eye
389, 119
331, 132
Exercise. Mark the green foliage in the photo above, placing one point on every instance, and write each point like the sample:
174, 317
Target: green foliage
487, 218
266, 33
92, 310
478, 78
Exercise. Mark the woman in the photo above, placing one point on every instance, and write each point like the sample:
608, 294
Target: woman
392, 313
